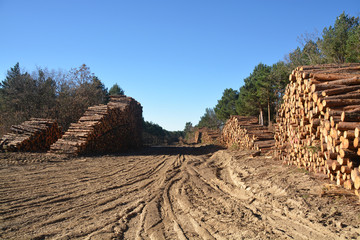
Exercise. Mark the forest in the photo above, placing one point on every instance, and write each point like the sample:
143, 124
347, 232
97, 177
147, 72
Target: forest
261, 94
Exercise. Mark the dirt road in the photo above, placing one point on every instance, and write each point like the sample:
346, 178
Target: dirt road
170, 193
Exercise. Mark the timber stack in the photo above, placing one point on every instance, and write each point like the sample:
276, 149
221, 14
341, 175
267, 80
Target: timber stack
245, 133
207, 136
211, 136
114, 127
319, 122
35, 135
198, 135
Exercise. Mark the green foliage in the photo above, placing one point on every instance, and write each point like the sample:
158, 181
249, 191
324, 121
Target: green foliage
188, 127
189, 132
258, 92
79, 90
63, 97
154, 134
335, 39
279, 75
337, 44
263, 89
116, 90
209, 120
23, 96
153, 128
352, 51
226, 105
308, 55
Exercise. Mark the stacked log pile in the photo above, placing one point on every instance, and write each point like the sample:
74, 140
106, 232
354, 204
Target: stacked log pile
211, 137
319, 122
114, 127
35, 135
207, 136
245, 133
198, 135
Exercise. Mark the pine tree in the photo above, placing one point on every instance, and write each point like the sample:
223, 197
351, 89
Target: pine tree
116, 90
333, 44
226, 105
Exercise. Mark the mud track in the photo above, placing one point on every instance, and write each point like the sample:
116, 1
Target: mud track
170, 193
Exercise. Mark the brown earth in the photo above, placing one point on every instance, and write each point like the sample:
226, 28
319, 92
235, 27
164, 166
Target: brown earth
170, 193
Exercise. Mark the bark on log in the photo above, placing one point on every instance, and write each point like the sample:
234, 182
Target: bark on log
318, 123
114, 127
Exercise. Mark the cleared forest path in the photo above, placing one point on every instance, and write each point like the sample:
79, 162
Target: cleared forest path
172, 193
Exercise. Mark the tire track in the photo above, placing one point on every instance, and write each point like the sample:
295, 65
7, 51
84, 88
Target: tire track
162, 193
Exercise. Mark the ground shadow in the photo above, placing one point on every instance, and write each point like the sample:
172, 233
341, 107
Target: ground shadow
168, 150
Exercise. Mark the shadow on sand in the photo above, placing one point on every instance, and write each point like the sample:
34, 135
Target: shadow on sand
176, 150
167, 150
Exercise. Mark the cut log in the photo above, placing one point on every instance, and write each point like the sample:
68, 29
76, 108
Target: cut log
35, 135
339, 102
318, 123
340, 90
115, 127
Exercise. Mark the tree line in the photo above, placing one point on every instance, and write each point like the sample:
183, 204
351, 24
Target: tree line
263, 89
59, 95
62, 96
154, 134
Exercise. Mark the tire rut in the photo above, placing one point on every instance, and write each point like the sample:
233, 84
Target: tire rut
187, 193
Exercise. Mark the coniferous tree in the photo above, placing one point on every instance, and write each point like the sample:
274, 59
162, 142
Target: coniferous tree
116, 90
209, 120
333, 44
48, 95
226, 105
353, 45
257, 93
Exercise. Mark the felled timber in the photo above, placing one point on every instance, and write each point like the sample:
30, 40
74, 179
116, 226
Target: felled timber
35, 135
207, 136
319, 121
245, 133
110, 128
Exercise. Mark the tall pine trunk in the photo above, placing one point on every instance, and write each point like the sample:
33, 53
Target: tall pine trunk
269, 120
261, 118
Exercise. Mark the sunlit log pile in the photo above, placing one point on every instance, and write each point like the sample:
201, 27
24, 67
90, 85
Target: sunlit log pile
245, 133
114, 127
319, 122
197, 136
207, 136
35, 135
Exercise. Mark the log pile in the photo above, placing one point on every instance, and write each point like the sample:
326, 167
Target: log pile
211, 137
319, 122
198, 135
245, 133
114, 127
207, 136
35, 135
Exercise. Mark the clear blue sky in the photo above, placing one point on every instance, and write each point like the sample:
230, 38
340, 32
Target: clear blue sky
175, 57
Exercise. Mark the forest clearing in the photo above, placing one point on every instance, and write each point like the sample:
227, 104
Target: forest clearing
191, 190
279, 158
183, 192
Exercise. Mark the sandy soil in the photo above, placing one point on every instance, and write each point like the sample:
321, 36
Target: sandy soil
170, 193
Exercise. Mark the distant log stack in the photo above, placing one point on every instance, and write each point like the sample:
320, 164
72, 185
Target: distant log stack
35, 135
245, 133
211, 137
207, 136
319, 122
114, 127
197, 136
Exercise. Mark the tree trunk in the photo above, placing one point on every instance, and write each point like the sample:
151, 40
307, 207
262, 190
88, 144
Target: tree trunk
269, 113
261, 119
